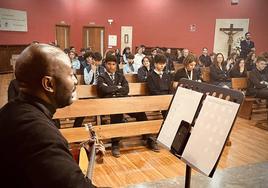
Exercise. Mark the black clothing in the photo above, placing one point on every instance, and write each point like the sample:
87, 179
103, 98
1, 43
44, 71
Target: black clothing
235, 73
157, 85
205, 60
81, 58
256, 87
183, 73
118, 59
246, 48
218, 75
180, 60
83, 65
169, 68
13, 89
118, 118
107, 87
143, 73
250, 65
35, 153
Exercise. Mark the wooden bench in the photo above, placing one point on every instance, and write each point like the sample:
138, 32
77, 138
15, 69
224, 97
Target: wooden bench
80, 79
107, 106
90, 91
131, 78
246, 108
178, 66
205, 74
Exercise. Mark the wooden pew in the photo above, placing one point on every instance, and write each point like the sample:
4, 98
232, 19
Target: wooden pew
205, 74
246, 108
80, 79
95, 107
178, 66
90, 91
131, 78
86, 91
104, 132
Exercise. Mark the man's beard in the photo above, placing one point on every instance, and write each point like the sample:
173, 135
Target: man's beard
64, 97
63, 101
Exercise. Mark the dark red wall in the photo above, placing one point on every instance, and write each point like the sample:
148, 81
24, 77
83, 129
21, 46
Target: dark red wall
155, 22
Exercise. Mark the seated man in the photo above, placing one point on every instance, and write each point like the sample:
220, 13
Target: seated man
35, 150
258, 80
113, 84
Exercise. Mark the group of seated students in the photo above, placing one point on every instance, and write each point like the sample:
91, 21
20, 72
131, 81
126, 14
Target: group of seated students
145, 66
142, 63
157, 70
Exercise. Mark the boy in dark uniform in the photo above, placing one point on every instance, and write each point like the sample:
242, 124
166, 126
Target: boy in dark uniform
159, 82
113, 84
258, 80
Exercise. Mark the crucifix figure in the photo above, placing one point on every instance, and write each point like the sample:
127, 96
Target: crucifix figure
230, 32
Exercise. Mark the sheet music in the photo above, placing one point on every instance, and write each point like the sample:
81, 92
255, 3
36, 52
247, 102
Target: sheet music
209, 133
183, 107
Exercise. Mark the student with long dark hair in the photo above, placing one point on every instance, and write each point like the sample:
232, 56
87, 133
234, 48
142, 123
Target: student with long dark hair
218, 72
239, 70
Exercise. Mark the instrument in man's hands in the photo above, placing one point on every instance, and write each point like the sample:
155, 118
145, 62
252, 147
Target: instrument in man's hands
90, 151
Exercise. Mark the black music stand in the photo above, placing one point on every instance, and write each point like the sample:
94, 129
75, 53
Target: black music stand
205, 89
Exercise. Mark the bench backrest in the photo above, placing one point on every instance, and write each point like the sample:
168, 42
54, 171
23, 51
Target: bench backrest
178, 66
205, 72
90, 91
107, 106
239, 83
80, 79
131, 78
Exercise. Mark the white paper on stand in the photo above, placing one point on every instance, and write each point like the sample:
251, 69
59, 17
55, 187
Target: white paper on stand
209, 134
183, 107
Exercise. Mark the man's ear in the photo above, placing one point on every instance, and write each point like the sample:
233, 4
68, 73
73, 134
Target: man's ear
48, 84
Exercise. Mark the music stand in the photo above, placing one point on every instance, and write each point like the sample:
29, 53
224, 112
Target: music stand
207, 90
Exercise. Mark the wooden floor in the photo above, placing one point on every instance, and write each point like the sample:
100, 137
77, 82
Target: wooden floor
137, 164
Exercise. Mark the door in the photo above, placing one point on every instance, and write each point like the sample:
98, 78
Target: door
63, 36
93, 37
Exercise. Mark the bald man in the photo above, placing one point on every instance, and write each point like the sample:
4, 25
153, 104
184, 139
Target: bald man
34, 153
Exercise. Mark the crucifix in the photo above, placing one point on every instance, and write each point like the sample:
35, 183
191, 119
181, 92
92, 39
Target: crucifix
230, 32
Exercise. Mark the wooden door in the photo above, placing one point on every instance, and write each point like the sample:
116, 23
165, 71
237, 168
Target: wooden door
93, 37
63, 36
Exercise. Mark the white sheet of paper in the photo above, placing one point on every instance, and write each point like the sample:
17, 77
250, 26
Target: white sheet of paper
183, 107
209, 133
112, 40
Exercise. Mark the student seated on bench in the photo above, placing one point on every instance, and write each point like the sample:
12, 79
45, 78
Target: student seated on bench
239, 69
113, 84
91, 78
130, 67
189, 72
159, 81
258, 80
145, 69
218, 72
